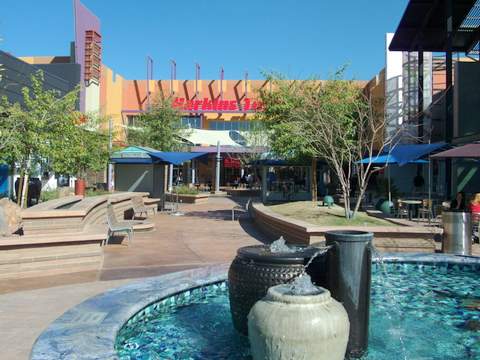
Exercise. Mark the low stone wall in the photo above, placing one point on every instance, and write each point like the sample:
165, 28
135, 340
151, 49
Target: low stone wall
63, 240
43, 255
89, 211
187, 198
386, 238
244, 192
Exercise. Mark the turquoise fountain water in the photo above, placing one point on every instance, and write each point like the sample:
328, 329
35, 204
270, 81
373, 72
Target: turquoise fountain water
436, 316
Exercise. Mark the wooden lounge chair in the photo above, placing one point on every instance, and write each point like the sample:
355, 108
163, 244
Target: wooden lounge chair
139, 207
115, 226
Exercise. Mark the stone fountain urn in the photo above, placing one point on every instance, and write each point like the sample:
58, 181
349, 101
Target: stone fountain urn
311, 326
256, 268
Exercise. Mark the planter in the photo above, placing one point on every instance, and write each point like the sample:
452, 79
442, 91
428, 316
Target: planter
386, 207
349, 264
309, 327
80, 185
255, 269
187, 198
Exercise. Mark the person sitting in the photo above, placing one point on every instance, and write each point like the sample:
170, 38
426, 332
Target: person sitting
236, 182
475, 209
475, 205
459, 202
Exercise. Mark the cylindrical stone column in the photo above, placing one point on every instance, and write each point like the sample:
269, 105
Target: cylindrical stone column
348, 278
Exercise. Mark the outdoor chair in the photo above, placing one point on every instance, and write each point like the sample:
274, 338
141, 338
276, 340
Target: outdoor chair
241, 209
139, 207
400, 210
476, 228
426, 210
115, 226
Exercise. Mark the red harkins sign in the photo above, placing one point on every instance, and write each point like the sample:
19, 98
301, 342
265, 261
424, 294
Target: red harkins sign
207, 105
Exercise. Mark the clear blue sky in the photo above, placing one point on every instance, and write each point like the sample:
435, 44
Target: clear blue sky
298, 38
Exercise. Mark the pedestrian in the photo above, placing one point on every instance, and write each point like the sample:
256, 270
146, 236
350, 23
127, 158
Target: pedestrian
475, 205
459, 202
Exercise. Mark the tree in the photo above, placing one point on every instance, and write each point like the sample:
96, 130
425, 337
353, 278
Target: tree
159, 127
280, 103
255, 143
28, 134
83, 147
335, 121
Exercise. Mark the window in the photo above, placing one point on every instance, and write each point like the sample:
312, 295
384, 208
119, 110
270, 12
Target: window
131, 120
245, 125
193, 122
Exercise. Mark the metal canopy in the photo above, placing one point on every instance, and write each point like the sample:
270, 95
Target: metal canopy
423, 26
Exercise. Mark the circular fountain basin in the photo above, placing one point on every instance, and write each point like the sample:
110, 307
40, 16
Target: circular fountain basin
427, 306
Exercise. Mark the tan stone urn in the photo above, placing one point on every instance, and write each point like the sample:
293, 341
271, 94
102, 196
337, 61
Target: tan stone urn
284, 326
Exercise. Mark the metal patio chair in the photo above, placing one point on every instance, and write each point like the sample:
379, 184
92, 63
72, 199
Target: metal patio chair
139, 207
115, 226
400, 210
426, 210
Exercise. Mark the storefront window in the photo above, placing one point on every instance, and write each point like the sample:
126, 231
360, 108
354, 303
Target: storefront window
288, 180
193, 122
245, 125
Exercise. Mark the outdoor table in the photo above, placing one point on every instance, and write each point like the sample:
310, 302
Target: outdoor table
412, 204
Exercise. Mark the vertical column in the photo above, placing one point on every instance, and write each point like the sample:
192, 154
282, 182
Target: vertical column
348, 278
170, 178
448, 93
420, 95
193, 174
217, 168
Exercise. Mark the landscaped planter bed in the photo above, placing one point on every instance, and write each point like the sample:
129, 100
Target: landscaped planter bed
188, 198
395, 238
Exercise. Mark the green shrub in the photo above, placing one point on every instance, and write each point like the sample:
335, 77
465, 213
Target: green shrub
49, 195
185, 190
93, 192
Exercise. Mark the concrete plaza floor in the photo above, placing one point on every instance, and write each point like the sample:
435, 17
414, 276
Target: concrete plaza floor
204, 235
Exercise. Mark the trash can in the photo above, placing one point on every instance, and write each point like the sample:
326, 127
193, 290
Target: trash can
457, 232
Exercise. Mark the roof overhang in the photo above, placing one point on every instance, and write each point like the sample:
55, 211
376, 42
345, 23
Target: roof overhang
423, 26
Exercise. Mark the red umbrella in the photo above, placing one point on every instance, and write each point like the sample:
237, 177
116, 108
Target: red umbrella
465, 151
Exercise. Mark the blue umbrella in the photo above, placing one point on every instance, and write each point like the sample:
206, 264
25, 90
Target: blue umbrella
389, 159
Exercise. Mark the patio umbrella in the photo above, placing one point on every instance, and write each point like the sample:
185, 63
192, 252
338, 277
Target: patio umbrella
471, 151
390, 159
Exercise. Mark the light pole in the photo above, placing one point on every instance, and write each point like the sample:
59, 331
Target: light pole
110, 183
217, 168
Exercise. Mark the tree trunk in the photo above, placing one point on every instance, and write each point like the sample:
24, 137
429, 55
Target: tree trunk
19, 190
313, 182
24, 192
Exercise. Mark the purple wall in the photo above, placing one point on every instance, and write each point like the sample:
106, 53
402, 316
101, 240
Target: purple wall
84, 20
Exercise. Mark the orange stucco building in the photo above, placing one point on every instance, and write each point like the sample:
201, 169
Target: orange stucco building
206, 104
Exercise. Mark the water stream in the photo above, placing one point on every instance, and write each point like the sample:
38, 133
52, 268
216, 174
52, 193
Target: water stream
390, 297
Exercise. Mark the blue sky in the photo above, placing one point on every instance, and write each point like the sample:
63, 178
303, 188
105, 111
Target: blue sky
298, 38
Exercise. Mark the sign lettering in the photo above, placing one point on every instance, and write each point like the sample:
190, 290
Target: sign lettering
218, 105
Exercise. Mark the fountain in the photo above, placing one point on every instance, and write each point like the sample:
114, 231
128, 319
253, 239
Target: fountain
298, 321
345, 271
257, 268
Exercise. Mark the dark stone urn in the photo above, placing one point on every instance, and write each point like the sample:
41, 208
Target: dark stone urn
255, 269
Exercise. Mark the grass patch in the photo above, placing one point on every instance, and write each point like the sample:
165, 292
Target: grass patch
322, 215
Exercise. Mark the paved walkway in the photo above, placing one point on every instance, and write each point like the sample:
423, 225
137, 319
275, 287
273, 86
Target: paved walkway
204, 235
